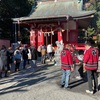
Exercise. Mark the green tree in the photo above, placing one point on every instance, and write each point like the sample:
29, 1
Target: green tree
90, 31
11, 9
93, 27
25, 36
98, 17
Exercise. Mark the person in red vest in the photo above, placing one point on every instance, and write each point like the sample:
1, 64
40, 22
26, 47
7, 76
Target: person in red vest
91, 55
66, 66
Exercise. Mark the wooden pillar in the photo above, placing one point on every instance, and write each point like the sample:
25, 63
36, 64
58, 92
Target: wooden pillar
77, 31
15, 33
36, 39
51, 38
43, 38
46, 39
67, 28
67, 33
18, 30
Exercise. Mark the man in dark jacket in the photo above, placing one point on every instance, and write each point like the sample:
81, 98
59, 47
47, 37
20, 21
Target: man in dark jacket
10, 53
25, 56
34, 55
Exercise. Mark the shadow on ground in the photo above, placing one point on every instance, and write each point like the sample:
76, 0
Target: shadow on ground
27, 78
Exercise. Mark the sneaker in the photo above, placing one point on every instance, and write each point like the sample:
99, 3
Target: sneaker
55, 64
88, 91
62, 86
8, 71
67, 88
78, 77
96, 90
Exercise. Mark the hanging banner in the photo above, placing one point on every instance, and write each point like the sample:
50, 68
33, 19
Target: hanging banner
32, 37
40, 38
60, 36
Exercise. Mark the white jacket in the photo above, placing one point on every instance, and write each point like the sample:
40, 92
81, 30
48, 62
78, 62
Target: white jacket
49, 48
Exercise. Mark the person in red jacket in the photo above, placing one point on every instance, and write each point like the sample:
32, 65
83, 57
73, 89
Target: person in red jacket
91, 65
66, 66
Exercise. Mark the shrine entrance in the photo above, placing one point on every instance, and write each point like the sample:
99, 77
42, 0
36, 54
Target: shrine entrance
50, 38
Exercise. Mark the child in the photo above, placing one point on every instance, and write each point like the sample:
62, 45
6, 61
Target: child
78, 65
17, 60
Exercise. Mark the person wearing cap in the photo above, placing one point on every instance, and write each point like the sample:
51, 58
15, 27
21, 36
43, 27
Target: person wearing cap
90, 59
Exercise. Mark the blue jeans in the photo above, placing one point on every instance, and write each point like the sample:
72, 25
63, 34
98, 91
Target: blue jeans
65, 77
33, 63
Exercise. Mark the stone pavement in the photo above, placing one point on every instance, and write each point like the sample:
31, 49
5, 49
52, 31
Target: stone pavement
16, 76
42, 84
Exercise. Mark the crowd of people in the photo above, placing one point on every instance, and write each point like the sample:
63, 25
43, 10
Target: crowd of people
13, 57
71, 60
80, 63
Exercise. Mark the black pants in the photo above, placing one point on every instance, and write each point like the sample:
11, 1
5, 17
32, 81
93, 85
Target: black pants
50, 55
18, 61
24, 63
92, 74
8, 66
79, 70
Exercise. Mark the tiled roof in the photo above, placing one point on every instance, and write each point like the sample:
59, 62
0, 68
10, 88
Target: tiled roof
56, 10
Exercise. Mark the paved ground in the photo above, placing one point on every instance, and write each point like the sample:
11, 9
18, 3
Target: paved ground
42, 85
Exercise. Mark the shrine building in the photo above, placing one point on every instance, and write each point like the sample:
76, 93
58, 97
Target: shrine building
57, 20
